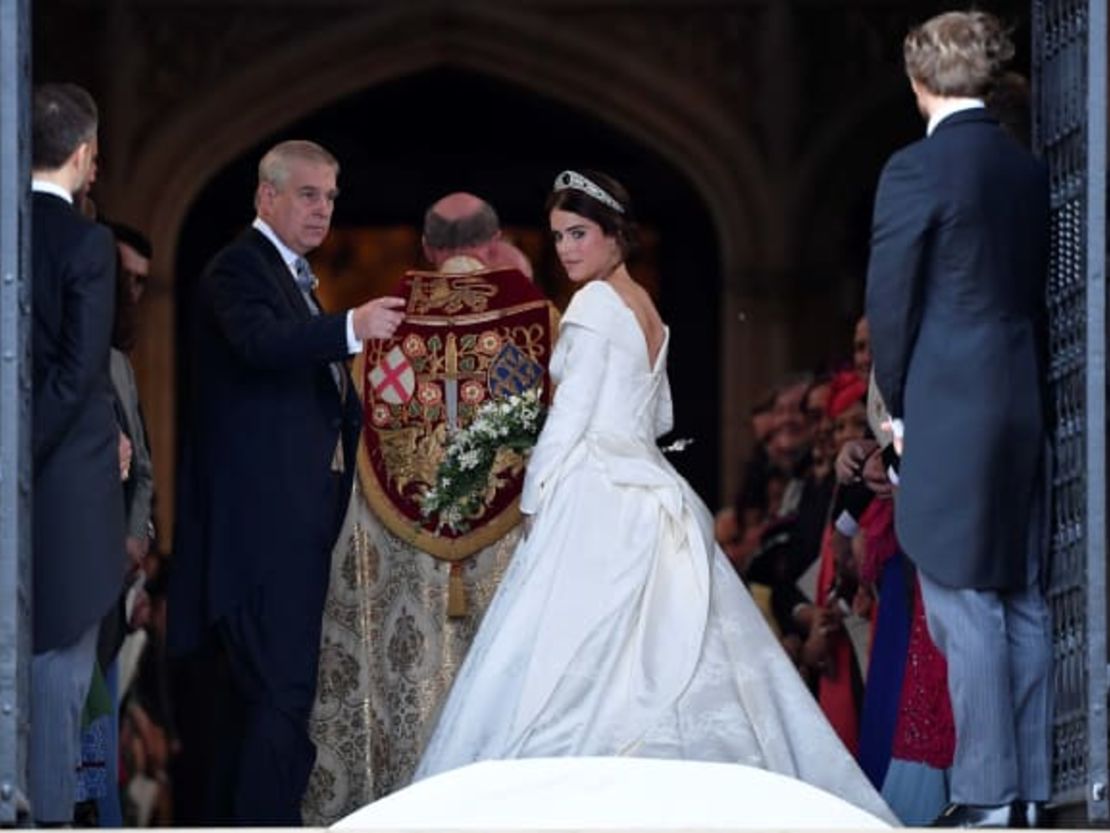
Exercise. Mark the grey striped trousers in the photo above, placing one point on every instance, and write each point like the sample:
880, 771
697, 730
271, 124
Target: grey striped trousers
999, 651
60, 682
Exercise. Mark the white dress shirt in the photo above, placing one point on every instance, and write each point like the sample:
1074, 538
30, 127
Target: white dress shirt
949, 107
41, 186
354, 345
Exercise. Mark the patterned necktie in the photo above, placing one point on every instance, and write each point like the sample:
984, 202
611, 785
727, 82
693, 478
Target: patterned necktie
306, 282
305, 279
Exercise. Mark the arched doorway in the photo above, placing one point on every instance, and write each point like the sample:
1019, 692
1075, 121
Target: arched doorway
404, 143
673, 119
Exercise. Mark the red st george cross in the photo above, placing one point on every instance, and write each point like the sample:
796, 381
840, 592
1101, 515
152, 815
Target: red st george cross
393, 379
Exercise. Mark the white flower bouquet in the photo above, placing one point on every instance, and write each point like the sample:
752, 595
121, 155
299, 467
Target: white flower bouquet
463, 478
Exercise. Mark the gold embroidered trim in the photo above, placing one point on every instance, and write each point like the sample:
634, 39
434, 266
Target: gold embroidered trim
475, 318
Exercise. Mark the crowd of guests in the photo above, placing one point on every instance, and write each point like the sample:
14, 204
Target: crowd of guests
811, 532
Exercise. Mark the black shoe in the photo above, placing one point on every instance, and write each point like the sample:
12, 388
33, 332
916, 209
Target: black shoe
86, 813
1030, 813
979, 815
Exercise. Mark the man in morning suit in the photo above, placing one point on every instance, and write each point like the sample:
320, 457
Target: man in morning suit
78, 527
955, 301
265, 478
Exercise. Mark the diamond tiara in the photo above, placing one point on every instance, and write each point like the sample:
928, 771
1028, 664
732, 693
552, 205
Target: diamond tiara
575, 180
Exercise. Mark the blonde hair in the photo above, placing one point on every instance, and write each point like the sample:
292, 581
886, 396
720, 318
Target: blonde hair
274, 166
958, 54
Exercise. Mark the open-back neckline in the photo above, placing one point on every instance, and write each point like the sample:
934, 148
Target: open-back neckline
652, 362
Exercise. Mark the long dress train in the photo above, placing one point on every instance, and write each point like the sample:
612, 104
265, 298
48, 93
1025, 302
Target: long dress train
620, 628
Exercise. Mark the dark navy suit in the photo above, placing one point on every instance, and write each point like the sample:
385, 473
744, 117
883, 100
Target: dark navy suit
260, 505
78, 557
79, 527
955, 300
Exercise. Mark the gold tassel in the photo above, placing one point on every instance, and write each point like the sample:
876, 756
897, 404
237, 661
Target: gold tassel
456, 593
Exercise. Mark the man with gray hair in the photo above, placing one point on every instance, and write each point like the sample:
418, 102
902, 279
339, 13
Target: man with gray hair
955, 301
268, 457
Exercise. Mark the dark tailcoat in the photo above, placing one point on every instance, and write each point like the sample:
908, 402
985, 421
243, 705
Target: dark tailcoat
78, 528
260, 505
955, 300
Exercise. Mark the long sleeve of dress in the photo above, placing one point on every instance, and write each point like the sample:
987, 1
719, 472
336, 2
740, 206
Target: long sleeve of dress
583, 359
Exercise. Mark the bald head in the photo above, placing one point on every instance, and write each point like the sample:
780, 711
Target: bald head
458, 206
460, 223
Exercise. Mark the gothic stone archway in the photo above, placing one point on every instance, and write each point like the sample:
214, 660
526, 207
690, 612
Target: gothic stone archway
681, 121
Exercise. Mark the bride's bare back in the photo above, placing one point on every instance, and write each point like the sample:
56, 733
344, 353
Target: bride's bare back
651, 324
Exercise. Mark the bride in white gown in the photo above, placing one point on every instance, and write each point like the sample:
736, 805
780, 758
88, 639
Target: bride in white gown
620, 628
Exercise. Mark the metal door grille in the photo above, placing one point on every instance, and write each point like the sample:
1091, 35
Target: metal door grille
15, 406
1069, 67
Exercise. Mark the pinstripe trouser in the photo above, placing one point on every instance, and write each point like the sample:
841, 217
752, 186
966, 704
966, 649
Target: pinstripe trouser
60, 682
999, 651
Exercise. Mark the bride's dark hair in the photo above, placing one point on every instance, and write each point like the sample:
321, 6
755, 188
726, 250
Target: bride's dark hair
620, 226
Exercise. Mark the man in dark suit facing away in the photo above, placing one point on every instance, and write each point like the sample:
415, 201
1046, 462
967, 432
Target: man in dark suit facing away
265, 477
78, 529
955, 299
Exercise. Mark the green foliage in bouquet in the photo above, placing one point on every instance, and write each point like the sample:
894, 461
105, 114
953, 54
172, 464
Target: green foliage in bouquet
463, 479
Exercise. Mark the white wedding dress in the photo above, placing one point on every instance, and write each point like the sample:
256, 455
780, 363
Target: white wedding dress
620, 628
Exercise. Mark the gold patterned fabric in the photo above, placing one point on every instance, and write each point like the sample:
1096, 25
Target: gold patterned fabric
468, 338
389, 654
405, 601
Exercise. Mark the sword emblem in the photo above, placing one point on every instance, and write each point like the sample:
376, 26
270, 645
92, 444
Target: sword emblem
451, 382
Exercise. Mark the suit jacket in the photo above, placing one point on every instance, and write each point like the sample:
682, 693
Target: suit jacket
955, 300
140, 491
262, 423
78, 528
